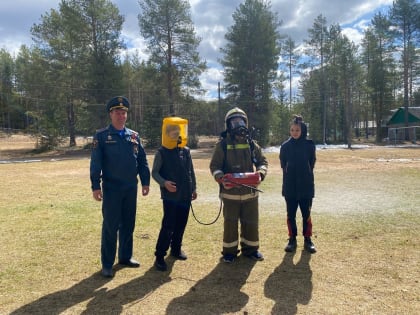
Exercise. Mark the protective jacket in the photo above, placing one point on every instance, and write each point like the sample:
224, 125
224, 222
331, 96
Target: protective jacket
236, 155
117, 158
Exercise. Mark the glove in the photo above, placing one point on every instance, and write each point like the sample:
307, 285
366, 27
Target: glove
219, 177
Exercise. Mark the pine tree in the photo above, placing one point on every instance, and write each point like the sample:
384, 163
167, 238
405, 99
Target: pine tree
167, 27
250, 61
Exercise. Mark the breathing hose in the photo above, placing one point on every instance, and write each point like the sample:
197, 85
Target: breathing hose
203, 223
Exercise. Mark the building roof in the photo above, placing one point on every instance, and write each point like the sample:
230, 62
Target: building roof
397, 119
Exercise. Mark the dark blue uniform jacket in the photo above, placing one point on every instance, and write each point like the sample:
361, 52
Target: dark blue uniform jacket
117, 159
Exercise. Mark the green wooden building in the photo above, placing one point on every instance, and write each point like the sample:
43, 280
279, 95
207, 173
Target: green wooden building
397, 127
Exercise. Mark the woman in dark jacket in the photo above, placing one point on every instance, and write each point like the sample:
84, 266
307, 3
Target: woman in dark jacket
297, 160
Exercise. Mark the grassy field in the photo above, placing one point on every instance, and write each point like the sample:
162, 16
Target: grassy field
366, 216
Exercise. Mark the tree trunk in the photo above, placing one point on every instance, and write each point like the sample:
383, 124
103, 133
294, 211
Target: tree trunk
71, 124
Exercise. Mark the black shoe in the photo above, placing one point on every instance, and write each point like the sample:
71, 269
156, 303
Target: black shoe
309, 246
180, 255
291, 246
160, 264
229, 258
107, 272
131, 263
256, 256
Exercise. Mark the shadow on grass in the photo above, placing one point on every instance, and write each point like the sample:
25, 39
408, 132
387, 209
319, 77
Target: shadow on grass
58, 302
112, 301
217, 293
101, 300
290, 284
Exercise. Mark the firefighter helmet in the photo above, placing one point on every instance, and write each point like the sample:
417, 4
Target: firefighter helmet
235, 112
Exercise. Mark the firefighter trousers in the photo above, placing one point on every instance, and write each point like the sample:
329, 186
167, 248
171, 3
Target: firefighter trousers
244, 212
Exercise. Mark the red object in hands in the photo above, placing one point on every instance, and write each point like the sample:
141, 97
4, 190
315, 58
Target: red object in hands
237, 179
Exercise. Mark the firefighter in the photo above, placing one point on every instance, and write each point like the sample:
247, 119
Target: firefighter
237, 153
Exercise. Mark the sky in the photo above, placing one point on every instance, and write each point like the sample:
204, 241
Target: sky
211, 20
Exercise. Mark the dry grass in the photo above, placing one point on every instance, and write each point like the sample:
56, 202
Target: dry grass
366, 217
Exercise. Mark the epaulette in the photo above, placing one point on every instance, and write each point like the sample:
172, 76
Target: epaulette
102, 129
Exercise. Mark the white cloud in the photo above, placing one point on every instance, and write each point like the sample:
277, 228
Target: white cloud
211, 20
353, 35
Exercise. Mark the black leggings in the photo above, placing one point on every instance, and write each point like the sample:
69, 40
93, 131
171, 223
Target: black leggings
305, 208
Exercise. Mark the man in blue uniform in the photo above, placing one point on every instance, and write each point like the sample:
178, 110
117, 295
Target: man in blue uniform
118, 157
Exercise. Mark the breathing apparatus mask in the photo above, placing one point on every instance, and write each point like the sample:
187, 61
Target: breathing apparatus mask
237, 126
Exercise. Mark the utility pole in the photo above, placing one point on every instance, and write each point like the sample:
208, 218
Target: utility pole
219, 104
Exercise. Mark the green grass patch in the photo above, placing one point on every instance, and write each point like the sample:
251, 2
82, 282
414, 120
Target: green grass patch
366, 215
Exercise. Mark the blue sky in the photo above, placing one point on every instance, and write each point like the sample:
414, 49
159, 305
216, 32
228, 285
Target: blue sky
211, 20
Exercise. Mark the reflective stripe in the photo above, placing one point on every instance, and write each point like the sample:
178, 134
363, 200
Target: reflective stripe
239, 197
237, 146
232, 244
250, 243
262, 167
217, 172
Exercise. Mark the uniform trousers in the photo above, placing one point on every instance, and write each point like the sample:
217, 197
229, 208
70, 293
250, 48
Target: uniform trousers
245, 212
174, 221
305, 208
119, 218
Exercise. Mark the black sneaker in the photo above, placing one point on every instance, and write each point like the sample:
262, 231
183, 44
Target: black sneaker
309, 246
180, 255
131, 263
291, 246
160, 264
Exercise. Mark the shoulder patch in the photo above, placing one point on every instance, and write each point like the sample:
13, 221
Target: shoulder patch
132, 132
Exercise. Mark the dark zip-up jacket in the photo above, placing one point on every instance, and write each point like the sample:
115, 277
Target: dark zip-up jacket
297, 160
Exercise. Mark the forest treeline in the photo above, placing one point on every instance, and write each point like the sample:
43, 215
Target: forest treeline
58, 87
